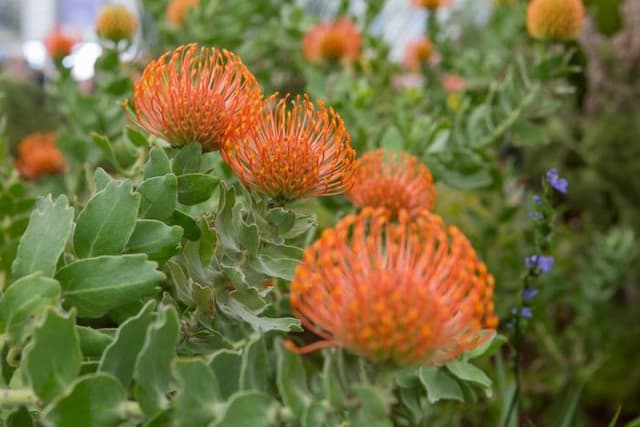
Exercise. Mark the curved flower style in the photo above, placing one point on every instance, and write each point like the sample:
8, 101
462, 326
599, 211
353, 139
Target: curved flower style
176, 13
59, 44
196, 94
431, 4
292, 153
410, 292
394, 181
337, 41
38, 155
417, 53
115, 22
555, 19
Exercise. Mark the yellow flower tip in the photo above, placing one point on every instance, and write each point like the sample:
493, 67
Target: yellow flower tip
116, 23
176, 13
555, 19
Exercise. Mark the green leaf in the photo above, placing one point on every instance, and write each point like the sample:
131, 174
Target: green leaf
197, 393
224, 218
234, 309
44, 240
314, 415
24, 303
94, 401
103, 143
282, 218
154, 238
188, 159
524, 133
278, 261
333, 387
136, 137
19, 418
226, 366
152, 372
439, 385
255, 362
208, 243
120, 356
107, 221
488, 347
96, 285
188, 224
249, 409
101, 179
158, 164
373, 411
291, 379
159, 195
93, 341
52, 359
196, 188
468, 372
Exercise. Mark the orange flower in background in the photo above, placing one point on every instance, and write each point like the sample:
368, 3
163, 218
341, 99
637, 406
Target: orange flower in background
115, 22
394, 181
410, 292
59, 44
431, 4
295, 150
337, 41
555, 19
177, 10
453, 83
38, 155
196, 94
418, 53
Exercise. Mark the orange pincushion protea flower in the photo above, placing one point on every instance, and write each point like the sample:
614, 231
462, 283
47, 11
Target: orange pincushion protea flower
555, 19
431, 4
38, 155
394, 181
176, 13
59, 44
293, 153
115, 22
410, 292
196, 94
337, 41
417, 53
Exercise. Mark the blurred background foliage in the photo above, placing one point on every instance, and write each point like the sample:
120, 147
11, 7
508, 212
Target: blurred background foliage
525, 108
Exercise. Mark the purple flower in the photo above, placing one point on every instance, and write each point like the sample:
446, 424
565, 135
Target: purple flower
529, 293
544, 263
560, 184
526, 313
537, 199
535, 215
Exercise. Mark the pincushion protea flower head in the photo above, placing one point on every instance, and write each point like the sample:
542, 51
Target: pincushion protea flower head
38, 155
294, 150
196, 94
337, 41
176, 13
410, 292
555, 19
417, 53
58, 44
431, 4
394, 181
115, 22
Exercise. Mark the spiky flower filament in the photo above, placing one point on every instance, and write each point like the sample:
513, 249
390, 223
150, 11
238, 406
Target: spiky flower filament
406, 292
294, 150
392, 180
196, 94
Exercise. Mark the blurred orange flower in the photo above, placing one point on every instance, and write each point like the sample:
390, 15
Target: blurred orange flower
196, 94
115, 22
453, 83
418, 53
38, 155
410, 292
394, 181
176, 12
431, 4
337, 41
295, 150
555, 19
59, 44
